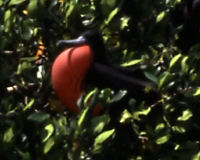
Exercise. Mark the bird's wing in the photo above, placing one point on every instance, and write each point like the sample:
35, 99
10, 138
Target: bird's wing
107, 76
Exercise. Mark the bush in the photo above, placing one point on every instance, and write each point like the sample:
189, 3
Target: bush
139, 34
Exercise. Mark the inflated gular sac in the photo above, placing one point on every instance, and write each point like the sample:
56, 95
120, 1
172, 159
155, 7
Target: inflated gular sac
68, 73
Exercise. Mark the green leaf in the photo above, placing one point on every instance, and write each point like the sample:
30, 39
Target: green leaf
1, 2
160, 17
197, 92
28, 59
137, 114
27, 30
84, 114
196, 156
118, 96
131, 63
89, 96
184, 65
31, 102
38, 117
16, 2
151, 76
48, 145
102, 138
50, 129
112, 14
36, 9
99, 122
110, 3
7, 20
62, 121
32, 7
82, 117
23, 66
186, 115
70, 9
26, 156
174, 60
178, 129
125, 116
124, 22
160, 127
8, 135
165, 78
4, 41
162, 140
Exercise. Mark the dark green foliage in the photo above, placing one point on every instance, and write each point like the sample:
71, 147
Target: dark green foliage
139, 34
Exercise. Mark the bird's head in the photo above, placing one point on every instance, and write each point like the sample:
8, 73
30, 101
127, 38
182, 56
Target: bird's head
92, 38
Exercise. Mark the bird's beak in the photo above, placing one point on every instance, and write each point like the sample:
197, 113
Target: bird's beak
74, 42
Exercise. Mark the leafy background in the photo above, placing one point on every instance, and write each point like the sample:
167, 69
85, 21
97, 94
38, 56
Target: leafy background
35, 126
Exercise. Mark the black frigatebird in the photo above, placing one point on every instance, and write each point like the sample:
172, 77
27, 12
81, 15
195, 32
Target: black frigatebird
86, 62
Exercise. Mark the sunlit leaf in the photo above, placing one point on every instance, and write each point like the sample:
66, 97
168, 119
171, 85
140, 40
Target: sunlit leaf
24, 66
125, 116
7, 20
178, 129
165, 78
160, 16
197, 92
8, 135
49, 129
48, 145
99, 122
131, 63
186, 115
30, 103
100, 139
162, 140
88, 97
184, 65
174, 60
16, 2
87, 100
111, 16
124, 22
159, 127
62, 121
137, 114
82, 117
177, 147
70, 9
196, 156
